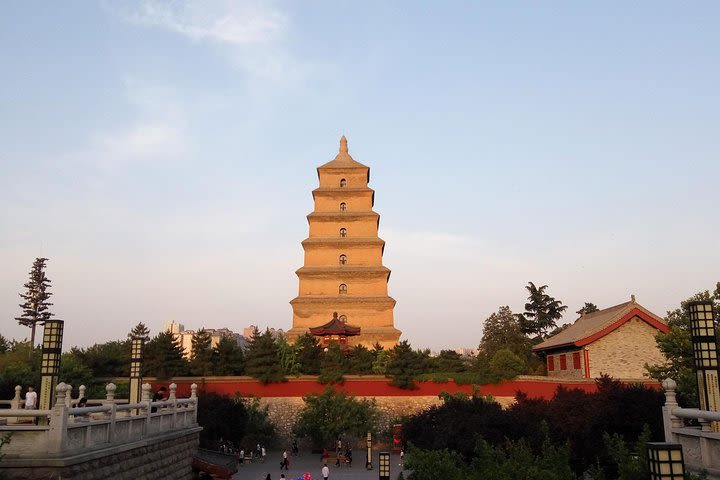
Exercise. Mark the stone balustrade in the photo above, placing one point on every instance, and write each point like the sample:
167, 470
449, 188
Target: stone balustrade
66, 429
701, 446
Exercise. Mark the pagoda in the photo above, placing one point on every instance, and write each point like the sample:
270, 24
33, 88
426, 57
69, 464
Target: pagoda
335, 330
343, 270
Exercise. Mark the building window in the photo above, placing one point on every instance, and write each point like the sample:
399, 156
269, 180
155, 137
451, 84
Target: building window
343, 289
563, 362
343, 318
343, 183
576, 360
551, 363
343, 232
343, 207
343, 259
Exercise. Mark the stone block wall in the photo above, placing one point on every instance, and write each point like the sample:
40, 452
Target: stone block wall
623, 352
164, 456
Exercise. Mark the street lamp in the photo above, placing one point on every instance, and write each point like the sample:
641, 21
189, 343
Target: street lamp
50, 363
368, 443
665, 461
705, 349
384, 466
136, 361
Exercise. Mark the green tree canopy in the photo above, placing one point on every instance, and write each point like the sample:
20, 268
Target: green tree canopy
35, 307
333, 364
110, 359
403, 366
505, 364
541, 312
448, 361
589, 307
360, 361
261, 358
229, 358
201, 355
140, 331
501, 331
330, 414
164, 357
308, 354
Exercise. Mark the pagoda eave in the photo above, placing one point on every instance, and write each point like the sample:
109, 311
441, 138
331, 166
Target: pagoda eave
343, 270
344, 300
336, 242
336, 216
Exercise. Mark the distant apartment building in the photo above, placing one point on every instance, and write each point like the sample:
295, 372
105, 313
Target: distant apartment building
184, 337
249, 331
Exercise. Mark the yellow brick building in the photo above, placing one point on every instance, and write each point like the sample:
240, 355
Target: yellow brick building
617, 341
343, 270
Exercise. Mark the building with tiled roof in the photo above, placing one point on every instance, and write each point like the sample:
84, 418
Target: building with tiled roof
617, 341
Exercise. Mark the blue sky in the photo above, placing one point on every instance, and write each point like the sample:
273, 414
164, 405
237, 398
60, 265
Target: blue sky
162, 154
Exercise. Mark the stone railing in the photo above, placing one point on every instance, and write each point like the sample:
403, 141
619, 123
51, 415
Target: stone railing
65, 429
701, 446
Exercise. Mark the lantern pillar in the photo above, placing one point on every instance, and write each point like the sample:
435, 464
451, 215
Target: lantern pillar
705, 350
50, 364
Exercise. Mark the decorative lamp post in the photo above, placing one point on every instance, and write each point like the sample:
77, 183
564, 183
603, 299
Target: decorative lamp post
136, 361
705, 349
384, 466
665, 461
368, 462
50, 363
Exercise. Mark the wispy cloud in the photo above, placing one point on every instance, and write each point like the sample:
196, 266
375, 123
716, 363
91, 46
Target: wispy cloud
238, 23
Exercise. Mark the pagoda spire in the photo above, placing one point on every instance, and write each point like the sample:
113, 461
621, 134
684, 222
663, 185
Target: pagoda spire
343, 145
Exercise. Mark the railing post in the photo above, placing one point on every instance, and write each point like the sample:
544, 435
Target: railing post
110, 395
81, 392
15, 403
193, 395
146, 389
58, 421
68, 396
670, 421
173, 399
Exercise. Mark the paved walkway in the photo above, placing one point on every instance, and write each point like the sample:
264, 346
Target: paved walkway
311, 463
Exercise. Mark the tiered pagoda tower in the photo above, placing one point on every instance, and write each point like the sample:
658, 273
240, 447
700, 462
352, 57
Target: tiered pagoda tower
343, 270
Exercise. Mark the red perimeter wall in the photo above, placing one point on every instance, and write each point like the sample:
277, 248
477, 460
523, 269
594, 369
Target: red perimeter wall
373, 386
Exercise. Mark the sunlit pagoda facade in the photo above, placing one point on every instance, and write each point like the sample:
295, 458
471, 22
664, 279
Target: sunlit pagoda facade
343, 270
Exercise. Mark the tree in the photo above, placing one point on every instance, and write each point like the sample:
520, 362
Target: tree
403, 366
541, 312
333, 364
505, 364
73, 371
109, 359
201, 355
360, 361
588, 308
676, 345
140, 331
261, 358
287, 356
308, 354
448, 361
4, 344
35, 307
332, 413
229, 358
164, 357
502, 331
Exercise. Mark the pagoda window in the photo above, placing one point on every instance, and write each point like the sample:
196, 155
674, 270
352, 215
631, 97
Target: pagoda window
343, 207
343, 289
343, 232
343, 259
343, 183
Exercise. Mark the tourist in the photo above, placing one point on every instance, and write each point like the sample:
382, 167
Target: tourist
295, 449
348, 455
325, 472
262, 453
241, 456
31, 398
258, 451
285, 461
160, 396
268, 477
402, 457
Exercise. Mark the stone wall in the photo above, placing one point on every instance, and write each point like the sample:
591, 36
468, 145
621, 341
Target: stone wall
623, 352
164, 456
284, 411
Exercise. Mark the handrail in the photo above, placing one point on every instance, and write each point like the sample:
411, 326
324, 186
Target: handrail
22, 412
694, 413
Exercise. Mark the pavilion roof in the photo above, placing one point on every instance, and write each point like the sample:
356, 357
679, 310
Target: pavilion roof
335, 327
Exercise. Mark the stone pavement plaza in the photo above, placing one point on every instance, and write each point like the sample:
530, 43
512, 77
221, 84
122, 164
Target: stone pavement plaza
307, 462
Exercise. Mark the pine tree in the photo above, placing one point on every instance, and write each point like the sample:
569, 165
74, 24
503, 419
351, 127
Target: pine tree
201, 355
403, 366
589, 307
308, 354
35, 306
360, 361
541, 312
261, 358
164, 357
333, 364
140, 331
229, 357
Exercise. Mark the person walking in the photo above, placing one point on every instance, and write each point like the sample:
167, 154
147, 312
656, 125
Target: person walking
286, 461
262, 452
325, 472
